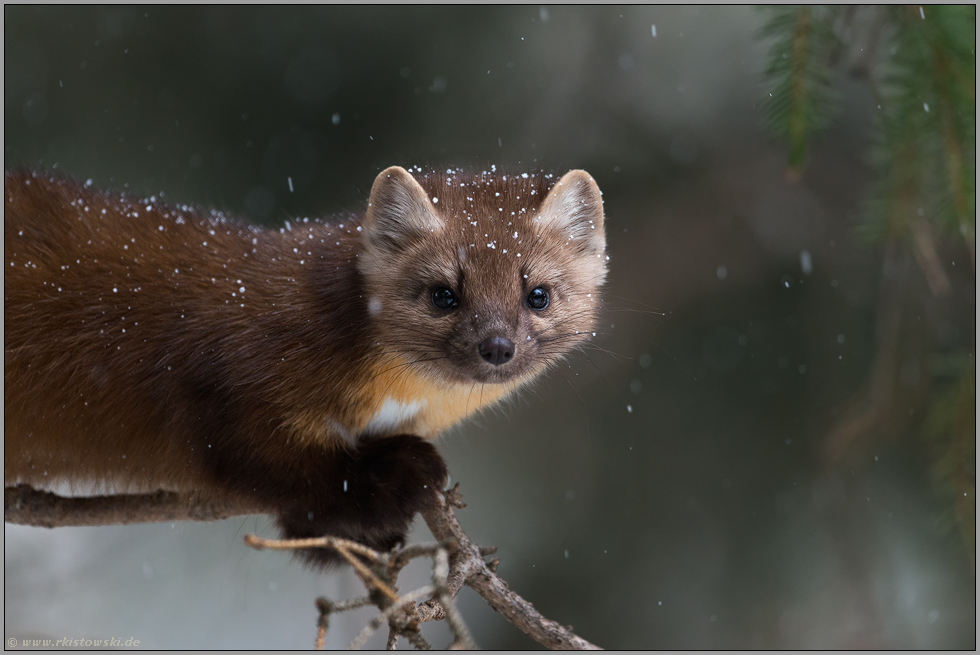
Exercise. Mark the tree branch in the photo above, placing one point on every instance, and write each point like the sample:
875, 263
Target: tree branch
25, 505
467, 557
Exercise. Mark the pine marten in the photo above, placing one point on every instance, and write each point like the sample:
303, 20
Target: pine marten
152, 345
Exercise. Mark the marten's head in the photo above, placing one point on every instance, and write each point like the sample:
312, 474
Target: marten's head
483, 277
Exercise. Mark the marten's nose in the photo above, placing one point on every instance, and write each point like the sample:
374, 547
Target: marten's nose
497, 350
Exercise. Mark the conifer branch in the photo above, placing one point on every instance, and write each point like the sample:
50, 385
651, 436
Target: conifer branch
923, 80
953, 150
801, 100
798, 94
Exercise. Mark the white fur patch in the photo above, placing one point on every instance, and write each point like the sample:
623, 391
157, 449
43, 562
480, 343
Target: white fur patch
393, 415
375, 305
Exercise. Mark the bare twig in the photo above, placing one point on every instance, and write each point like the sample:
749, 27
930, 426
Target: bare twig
389, 603
376, 622
392, 643
440, 572
416, 639
336, 543
323, 622
345, 547
326, 608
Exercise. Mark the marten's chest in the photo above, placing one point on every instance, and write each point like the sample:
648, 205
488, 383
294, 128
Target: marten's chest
395, 401
408, 403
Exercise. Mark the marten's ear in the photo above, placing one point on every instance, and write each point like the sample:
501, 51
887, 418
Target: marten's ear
574, 206
399, 210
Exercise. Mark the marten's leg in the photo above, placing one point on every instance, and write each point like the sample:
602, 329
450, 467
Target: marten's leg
369, 494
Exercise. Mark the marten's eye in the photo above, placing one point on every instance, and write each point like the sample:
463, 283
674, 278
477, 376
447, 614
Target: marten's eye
538, 299
443, 298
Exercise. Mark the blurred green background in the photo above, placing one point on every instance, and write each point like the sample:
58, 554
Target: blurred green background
677, 485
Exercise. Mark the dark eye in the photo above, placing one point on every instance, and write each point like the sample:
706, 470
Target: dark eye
443, 298
538, 299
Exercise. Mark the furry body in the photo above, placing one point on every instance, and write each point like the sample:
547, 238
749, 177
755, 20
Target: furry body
158, 346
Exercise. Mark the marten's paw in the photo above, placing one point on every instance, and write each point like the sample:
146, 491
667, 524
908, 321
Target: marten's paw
369, 495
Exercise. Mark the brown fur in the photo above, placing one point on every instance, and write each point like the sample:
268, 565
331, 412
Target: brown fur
133, 357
